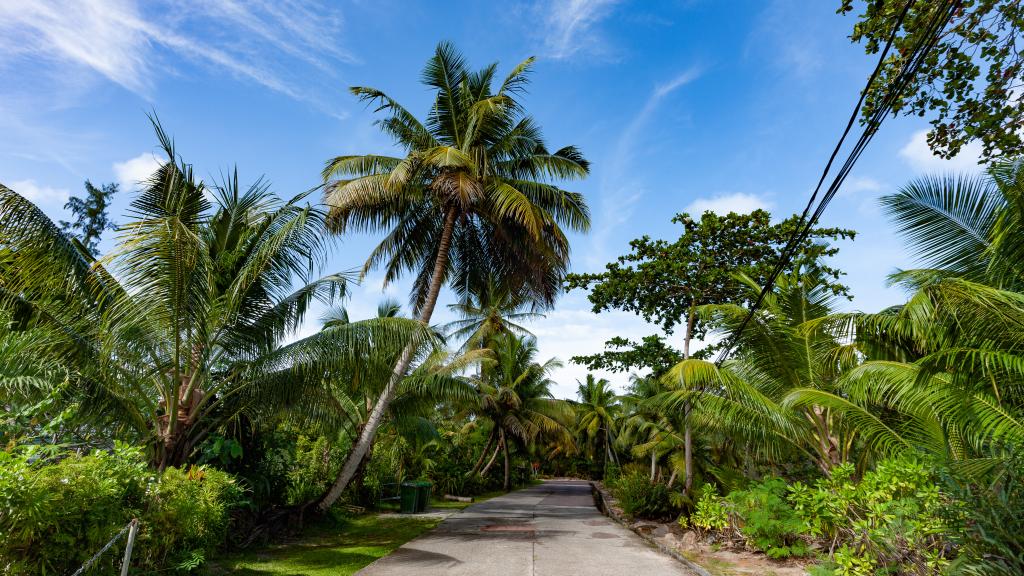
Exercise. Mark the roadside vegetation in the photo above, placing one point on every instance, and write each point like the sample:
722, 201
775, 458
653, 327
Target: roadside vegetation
166, 379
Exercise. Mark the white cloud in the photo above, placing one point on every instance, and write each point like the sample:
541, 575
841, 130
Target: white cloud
138, 169
573, 330
920, 157
740, 202
259, 41
42, 196
568, 26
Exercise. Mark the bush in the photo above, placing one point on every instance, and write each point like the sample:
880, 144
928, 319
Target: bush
639, 498
53, 517
187, 517
767, 521
892, 520
710, 513
991, 522
56, 515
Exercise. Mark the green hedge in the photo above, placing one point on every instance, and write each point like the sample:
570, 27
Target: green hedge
55, 515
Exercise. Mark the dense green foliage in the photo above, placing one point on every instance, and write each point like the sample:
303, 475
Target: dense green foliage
970, 82
55, 515
167, 380
638, 497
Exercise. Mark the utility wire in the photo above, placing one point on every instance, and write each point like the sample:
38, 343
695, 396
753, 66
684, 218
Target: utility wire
908, 72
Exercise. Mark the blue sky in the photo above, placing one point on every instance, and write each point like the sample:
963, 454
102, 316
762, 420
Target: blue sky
680, 106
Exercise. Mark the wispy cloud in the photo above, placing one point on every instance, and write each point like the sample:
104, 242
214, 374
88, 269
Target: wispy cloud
621, 185
740, 203
126, 42
569, 26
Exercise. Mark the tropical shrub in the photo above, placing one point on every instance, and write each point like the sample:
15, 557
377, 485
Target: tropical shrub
55, 515
639, 498
767, 521
187, 517
893, 519
710, 512
990, 522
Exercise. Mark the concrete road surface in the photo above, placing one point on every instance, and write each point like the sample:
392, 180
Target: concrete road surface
551, 529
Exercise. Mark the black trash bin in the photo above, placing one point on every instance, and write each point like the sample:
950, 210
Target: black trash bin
409, 494
423, 495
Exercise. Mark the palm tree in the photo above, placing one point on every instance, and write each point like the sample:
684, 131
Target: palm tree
515, 397
472, 197
597, 415
648, 431
184, 327
948, 362
436, 379
490, 312
777, 356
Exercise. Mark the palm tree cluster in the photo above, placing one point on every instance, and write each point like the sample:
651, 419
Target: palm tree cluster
810, 388
188, 328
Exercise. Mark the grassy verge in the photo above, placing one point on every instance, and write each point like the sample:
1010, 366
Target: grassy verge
334, 549
446, 505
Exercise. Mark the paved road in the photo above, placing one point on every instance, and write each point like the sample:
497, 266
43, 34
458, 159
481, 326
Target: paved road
551, 529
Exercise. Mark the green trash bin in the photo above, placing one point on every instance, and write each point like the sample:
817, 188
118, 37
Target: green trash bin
423, 492
409, 494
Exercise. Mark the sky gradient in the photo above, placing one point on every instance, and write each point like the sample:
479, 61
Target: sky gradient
679, 105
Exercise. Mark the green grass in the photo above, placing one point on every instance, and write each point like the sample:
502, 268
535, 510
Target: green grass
333, 548
446, 505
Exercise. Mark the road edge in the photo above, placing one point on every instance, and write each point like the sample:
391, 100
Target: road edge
601, 499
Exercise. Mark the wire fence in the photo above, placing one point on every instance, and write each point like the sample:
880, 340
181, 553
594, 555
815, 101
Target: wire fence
131, 528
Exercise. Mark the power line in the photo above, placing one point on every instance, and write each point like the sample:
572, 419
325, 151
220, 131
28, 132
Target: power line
908, 72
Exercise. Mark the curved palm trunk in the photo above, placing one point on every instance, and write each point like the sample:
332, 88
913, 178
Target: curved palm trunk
483, 454
373, 422
490, 462
508, 477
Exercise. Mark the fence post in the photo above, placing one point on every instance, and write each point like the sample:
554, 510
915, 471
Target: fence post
128, 549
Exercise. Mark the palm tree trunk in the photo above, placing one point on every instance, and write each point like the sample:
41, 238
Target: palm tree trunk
654, 465
373, 422
508, 477
687, 432
483, 454
490, 462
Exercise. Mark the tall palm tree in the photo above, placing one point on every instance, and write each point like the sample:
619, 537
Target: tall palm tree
473, 196
436, 379
597, 413
185, 326
515, 397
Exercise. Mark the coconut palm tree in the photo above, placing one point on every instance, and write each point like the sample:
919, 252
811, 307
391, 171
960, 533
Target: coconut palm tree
436, 379
777, 355
185, 325
489, 312
514, 396
948, 362
472, 196
597, 413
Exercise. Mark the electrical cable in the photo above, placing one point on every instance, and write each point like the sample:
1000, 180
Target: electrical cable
908, 73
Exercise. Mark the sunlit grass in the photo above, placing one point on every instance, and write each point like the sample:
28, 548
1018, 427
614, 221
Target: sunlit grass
333, 548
